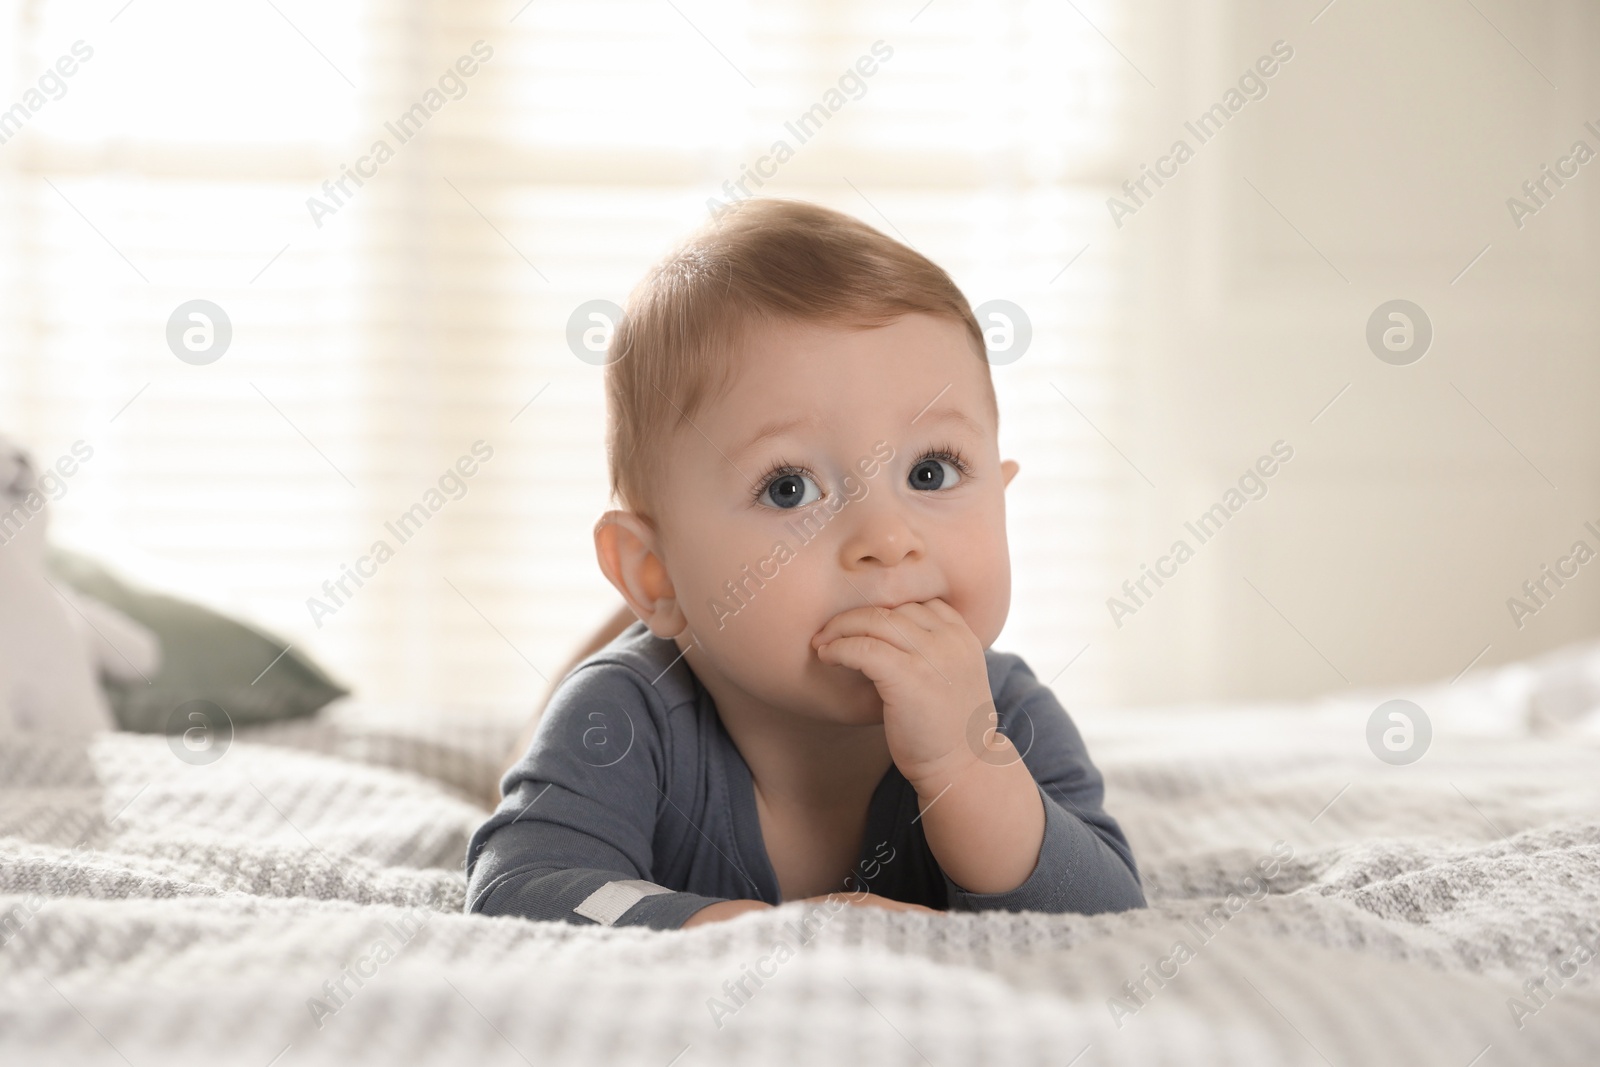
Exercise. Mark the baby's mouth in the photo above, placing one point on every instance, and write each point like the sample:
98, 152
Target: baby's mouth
887, 606
890, 606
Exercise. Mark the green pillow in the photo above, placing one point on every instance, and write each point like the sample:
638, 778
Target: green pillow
204, 656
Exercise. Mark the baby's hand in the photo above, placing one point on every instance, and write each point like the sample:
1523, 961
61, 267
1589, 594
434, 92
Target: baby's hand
930, 672
870, 900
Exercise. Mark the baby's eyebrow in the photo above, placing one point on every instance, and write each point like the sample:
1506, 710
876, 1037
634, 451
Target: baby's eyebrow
946, 413
951, 414
774, 428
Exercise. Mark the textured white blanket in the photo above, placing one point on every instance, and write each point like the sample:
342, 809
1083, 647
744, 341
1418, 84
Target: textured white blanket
300, 901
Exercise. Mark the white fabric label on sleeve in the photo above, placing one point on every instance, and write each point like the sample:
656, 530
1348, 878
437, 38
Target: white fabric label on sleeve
611, 901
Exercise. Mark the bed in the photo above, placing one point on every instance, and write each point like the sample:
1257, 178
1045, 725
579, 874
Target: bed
300, 900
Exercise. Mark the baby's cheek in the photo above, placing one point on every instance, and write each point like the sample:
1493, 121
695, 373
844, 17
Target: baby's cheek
779, 605
982, 585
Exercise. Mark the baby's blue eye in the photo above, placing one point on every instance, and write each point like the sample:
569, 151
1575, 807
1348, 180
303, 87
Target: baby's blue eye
934, 473
789, 491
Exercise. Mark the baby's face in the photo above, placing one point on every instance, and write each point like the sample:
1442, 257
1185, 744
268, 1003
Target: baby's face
890, 416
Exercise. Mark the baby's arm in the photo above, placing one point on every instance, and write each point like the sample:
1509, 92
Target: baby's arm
1084, 863
723, 910
572, 839
727, 909
539, 869
1022, 827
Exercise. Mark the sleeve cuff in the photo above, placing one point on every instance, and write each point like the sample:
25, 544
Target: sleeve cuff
587, 897
1075, 872
668, 911
608, 903
613, 900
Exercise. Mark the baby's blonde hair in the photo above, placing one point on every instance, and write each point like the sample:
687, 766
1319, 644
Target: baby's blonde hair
759, 261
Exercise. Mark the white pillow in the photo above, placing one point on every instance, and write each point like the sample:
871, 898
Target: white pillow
47, 670
1566, 690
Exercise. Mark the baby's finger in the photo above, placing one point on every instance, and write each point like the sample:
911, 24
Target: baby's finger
872, 900
920, 614
851, 622
876, 659
891, 627
942, 609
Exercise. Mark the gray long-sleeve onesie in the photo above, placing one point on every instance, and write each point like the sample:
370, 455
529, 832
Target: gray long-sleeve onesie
633, 807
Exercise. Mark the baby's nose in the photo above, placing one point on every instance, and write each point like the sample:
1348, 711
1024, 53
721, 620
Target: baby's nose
879, 533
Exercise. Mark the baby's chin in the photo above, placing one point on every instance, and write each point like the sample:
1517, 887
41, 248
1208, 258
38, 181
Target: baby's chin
824, 692
845, 695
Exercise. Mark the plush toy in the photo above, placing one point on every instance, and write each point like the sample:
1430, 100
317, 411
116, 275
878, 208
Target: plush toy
53, 642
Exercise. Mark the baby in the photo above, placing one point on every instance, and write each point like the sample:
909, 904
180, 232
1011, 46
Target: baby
803, 439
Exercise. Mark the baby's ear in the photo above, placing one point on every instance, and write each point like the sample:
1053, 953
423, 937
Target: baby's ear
1008, 470
625, 547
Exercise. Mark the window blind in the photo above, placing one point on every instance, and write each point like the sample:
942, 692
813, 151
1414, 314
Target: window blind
381, 330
